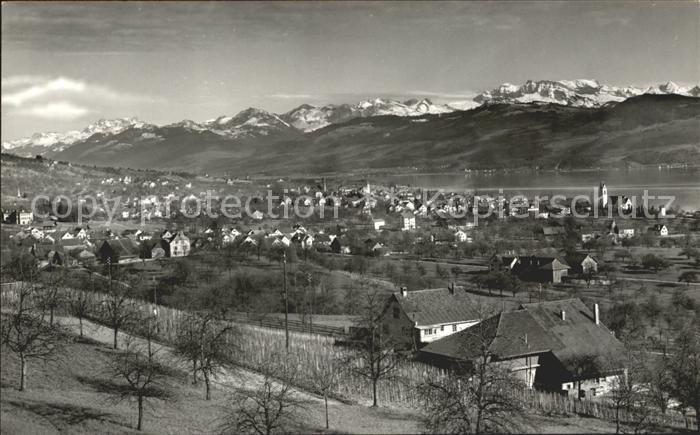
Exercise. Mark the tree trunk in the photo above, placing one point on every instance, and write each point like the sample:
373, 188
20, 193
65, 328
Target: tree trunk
194, 372
325, 399
477, 426
374, 393
51, 316
80, 321
116, 331
22, 372
140, 422
207, 383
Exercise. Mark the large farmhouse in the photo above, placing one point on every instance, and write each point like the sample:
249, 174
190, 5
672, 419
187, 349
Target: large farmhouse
414, 318
557, 346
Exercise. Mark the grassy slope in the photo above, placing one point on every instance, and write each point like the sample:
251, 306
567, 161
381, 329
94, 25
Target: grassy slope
61, 399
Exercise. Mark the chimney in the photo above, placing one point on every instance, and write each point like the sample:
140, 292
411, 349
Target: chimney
563, 315
404, 292
596, 310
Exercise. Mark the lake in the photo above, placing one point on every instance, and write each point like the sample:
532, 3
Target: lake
682, 184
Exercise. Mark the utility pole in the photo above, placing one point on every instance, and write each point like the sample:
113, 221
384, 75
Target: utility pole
286, 301
109, 269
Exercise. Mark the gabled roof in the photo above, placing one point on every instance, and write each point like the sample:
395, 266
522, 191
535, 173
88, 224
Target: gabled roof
577, 258
504, 334
570, 339
579, 333
71, 242
123, 246
179, 236
438, 306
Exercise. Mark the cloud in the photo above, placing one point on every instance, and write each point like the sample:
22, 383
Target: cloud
291, 96
60, 110
21, 80
36, 88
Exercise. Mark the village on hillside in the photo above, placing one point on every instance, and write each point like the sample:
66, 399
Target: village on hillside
541, 291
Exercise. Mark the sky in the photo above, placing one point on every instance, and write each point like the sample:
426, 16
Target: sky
65, 65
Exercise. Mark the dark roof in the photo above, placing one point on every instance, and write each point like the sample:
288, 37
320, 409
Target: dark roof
70, 242
123, 246
504, 334
436, 306
42, 251
577, 258
579, 333
544, 263
553, 231
569, 339
322, 238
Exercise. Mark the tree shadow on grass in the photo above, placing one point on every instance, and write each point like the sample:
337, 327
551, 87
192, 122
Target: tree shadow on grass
667, 285
120, 390
67, 413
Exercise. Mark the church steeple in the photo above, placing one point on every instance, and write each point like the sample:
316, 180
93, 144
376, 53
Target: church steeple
603, 193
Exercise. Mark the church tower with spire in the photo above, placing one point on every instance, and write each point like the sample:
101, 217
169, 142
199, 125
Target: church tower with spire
603, 193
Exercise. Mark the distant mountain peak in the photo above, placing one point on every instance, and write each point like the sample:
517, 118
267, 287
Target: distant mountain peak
41, 143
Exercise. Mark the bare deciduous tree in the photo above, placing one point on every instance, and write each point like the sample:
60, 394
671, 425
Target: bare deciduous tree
118, 309
477, 397
268, 408
187, 343
142, 375
80, 303
373, 356
51, 295
23, 330
627, 395
684, 369
206, 343
324, 378
215, 349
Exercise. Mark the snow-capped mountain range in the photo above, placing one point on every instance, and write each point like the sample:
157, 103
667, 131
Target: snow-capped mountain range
59, 141
579, 93
252, 123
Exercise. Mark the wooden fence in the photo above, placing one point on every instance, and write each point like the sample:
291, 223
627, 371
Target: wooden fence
294, 325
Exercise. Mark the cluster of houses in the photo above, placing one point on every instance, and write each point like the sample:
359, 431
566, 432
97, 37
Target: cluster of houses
560, 346
533, 268
83, 246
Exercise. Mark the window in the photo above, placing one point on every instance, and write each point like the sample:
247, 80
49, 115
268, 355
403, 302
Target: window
454, 328
442, 328
397, 312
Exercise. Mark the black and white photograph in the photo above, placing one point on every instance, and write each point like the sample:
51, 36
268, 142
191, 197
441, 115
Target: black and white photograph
360, 217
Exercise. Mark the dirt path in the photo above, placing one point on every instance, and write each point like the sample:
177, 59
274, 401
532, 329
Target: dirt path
660, 281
